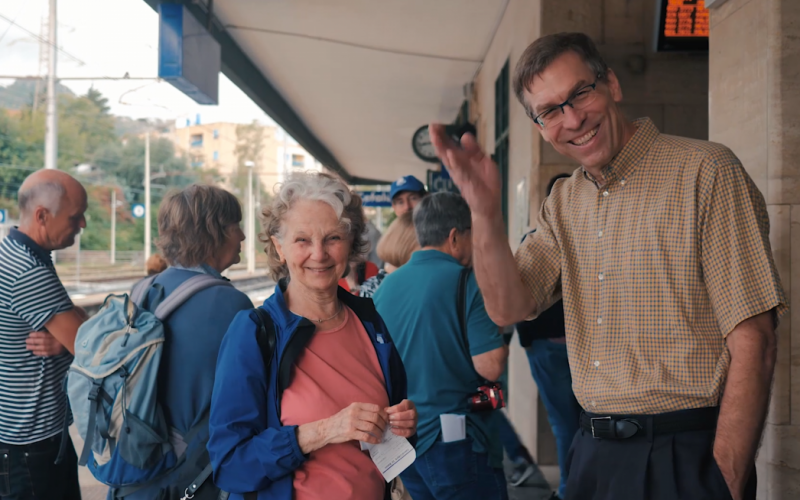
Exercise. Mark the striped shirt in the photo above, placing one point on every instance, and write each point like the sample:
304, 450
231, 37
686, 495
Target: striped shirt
656, 268
32, 401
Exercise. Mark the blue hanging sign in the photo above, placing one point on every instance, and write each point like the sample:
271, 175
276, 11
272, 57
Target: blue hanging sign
376, 198
188, 55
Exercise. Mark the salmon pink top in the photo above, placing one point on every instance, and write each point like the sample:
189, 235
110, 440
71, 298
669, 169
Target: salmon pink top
338, 367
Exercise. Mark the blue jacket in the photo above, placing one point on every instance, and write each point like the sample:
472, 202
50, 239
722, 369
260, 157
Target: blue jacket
249, 448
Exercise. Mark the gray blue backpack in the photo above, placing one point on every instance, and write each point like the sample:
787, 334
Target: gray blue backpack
112, 386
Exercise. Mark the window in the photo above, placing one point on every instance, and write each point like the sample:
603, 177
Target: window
197, 163
298, 160
196, 141
216, 134
501, 107
216, 155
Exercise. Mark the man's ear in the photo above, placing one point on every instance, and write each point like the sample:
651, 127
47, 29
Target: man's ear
614, 86
453, 237
40, 215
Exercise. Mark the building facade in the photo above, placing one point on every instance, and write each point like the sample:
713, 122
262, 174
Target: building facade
226, 147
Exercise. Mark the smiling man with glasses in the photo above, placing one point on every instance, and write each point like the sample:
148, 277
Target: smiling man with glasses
659, 246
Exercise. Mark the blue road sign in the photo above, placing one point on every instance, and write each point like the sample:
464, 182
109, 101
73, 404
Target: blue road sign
137, 210
376, 198
3, 216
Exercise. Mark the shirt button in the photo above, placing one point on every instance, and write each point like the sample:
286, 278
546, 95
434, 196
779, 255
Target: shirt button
593, 403
601, 276
605, 193
600, 234
622, 182
596, 364
599, 321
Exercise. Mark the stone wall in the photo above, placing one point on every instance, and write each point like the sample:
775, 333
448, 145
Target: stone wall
754, 94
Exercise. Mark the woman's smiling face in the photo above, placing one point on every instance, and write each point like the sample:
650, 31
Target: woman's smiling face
315, 245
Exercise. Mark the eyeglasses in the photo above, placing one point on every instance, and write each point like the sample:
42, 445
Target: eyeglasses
579, 100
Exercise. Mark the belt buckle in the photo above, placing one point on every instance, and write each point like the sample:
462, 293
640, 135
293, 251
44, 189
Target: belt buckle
597, 418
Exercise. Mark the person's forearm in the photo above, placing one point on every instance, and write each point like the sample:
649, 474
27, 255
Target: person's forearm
744, 405
311, 436
505, 296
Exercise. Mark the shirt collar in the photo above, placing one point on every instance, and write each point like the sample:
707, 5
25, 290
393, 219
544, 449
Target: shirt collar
624, 164
23, 239
203, 268
426, 255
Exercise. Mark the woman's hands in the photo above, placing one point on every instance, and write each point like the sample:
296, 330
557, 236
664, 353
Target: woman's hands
358, 422
403, 418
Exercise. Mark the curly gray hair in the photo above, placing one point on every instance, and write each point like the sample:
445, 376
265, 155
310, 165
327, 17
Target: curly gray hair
318, 187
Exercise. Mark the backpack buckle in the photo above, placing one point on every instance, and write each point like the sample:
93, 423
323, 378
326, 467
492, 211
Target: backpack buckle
94, 394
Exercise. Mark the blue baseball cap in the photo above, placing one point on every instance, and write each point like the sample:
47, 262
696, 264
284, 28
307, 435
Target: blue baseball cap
406, 183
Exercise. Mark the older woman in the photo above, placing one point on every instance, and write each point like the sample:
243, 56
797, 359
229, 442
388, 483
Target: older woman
394, 249
335, 378
199, 233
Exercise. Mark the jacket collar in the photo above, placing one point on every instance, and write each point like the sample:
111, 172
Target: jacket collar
23, 239
363, 307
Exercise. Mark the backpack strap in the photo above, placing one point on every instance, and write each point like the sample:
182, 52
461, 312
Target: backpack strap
140, 289
461, 305
265, 336
184, 291
267, 340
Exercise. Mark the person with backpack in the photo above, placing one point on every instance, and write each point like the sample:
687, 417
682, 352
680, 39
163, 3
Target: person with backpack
313, 371
200, 237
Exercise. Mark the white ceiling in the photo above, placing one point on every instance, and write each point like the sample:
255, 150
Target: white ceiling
365, 74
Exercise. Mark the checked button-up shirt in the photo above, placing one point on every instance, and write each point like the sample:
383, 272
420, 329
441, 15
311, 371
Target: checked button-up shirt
656, 267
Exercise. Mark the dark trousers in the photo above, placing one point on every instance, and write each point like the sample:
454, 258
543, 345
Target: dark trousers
452, 471
677, 466
28, 472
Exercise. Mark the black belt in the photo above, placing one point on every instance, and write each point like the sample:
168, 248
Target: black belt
626, 426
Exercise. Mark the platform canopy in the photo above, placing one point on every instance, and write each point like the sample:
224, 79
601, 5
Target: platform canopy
351, 80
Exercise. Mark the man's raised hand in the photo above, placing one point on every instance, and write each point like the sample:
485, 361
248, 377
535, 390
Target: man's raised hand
475, 174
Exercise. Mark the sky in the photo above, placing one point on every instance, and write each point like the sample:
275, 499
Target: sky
111, 38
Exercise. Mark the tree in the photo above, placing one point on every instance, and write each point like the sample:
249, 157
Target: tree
97, 98
124, 162
83, 127
249, 147
12, 152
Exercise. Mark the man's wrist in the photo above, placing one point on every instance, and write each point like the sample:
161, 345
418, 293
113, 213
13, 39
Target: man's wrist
728, 471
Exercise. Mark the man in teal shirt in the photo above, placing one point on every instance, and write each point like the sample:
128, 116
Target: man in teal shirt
418, 302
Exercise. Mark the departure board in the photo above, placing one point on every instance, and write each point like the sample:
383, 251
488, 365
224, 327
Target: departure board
682, 25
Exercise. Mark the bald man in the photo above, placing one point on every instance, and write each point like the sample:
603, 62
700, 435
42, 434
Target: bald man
33, 365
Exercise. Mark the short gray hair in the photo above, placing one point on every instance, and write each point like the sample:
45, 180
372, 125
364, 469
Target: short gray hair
437, 214
314, 186
42, 194
541, 54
